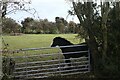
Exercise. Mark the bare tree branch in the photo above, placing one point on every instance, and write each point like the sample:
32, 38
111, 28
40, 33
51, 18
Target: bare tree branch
11, 6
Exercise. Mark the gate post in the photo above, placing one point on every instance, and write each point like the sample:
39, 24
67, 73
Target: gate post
26, 64
89, 68
59, 62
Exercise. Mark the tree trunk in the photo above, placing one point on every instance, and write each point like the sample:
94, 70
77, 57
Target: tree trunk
87, 25
105, 8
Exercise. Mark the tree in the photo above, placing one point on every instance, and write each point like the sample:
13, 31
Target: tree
61, 23
33, 26
37, 26
11, 6
113, 29
0, 18
95, 27
85, 14
10, 26
27, 25
71, 27
46, 26
105, 9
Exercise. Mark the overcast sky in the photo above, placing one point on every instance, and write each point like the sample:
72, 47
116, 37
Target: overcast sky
46, 9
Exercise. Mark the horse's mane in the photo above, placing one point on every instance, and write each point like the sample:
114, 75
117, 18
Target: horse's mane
68, 42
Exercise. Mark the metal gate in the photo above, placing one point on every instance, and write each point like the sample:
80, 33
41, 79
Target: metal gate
35, 63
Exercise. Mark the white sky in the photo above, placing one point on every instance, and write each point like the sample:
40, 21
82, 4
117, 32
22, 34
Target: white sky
46, 9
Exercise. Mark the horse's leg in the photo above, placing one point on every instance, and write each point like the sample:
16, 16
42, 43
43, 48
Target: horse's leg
68, 61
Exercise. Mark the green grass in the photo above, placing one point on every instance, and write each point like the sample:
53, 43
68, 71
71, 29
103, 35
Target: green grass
35, 40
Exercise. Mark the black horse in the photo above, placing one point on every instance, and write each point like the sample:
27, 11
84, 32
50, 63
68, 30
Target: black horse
73, 50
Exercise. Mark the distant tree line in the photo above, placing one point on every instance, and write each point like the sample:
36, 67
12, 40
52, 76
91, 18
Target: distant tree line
10, 26
42, 26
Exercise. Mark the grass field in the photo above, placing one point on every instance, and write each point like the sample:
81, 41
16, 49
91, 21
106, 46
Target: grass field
35, 40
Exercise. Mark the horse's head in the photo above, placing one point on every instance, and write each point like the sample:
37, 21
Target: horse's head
58, 41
